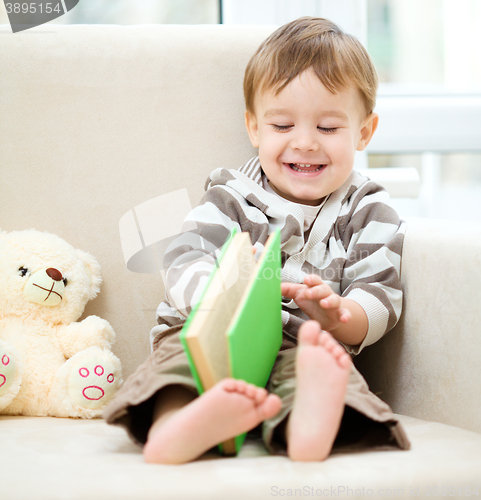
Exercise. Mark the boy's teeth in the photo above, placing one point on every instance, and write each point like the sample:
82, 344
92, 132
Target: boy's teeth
305, 166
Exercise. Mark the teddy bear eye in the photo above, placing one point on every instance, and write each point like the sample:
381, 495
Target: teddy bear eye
23, 271
65, 281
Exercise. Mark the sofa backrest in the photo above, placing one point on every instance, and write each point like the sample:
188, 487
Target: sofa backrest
97, 120
103, 127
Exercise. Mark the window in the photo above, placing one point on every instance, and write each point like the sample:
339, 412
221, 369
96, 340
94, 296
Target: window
138, 12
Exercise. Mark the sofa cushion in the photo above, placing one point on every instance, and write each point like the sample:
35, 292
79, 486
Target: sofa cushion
47, 458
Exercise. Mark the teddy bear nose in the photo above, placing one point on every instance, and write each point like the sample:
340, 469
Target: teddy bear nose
55, 274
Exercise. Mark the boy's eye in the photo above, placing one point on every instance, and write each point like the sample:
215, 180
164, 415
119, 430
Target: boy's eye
281, 128
327, 130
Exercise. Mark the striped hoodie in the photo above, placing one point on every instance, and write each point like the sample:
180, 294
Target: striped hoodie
354, 245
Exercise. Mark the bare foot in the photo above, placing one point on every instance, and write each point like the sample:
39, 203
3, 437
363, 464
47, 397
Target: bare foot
322, 373
228, 409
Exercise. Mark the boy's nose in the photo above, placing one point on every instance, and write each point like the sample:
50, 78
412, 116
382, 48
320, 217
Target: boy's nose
305, 141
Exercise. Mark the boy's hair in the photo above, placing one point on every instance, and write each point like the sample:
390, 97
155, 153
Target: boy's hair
338, 59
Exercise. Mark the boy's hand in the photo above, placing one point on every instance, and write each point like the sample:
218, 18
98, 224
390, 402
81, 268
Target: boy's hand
318, 301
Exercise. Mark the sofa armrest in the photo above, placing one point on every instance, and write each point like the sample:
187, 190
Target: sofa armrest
429, 366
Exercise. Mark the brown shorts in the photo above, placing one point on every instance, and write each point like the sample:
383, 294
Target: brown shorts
367, 422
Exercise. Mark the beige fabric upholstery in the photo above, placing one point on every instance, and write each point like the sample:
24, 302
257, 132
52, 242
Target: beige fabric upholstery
45, 459
96, 120
428, 366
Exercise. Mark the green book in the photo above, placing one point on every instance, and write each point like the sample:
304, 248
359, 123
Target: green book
235, 330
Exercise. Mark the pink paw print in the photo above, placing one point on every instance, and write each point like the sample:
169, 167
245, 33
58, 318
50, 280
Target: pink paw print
95, 392
7, 371
93, 382
5, 362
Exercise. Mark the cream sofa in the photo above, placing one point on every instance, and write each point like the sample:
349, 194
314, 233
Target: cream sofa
98, 120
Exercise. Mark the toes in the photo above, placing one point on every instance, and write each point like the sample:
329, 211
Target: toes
330, 344
250, 391
324, 338
344, 360
242, 387
309, 333
270, 407
257, 394
338, 351
260, 395
229, 384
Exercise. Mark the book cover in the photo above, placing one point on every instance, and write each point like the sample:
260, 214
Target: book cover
235, 330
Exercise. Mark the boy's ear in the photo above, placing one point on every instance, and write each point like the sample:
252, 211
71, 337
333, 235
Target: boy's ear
368, 128
252, 128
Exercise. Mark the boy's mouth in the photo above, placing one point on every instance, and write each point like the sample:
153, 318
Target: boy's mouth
305, 167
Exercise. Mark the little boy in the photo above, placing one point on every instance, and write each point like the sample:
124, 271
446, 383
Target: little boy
310, 93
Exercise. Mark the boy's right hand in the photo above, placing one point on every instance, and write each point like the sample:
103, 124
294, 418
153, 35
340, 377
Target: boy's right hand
318, 301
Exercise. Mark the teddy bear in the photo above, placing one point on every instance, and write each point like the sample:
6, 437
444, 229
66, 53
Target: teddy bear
50, 363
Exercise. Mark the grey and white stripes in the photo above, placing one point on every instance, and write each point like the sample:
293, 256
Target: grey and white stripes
355, 245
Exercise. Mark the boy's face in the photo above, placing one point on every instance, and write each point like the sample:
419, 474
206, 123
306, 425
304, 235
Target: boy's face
307, 137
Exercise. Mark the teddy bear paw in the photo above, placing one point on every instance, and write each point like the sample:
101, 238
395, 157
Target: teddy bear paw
98, 330
94, 380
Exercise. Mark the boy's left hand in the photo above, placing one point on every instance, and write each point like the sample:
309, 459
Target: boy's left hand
318, 301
